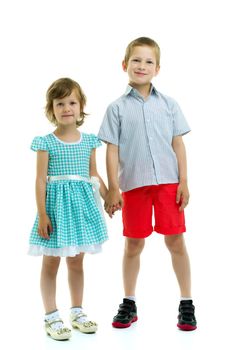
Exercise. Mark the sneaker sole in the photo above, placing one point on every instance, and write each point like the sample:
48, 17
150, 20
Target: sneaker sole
124, 325
186, 327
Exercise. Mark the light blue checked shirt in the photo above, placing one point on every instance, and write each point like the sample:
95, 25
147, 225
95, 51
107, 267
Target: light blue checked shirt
143, 130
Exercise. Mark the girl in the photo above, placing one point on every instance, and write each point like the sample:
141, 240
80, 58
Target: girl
70, 220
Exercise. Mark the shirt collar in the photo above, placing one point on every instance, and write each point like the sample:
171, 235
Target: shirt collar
130, 90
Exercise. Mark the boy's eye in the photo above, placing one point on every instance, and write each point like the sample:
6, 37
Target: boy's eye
136, 60
150, 62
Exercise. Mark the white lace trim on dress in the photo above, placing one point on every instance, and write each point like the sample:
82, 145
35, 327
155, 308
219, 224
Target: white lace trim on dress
37, 250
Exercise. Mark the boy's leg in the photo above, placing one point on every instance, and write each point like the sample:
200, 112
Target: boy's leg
131, 264
181, 266
171, 222
137, 223
127, 312
180, 262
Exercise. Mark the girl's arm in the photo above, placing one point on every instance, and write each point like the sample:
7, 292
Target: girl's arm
94, 172
182, 191
114, 199
44, 227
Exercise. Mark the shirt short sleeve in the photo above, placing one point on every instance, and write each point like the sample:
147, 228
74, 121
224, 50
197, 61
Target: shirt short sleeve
180, 125
110, 127
95, 141
39, 144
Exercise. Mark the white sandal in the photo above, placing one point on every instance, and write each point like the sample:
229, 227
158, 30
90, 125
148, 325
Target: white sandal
84, 327
57, 334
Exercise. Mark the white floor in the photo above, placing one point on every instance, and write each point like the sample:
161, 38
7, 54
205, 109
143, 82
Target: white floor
157, 300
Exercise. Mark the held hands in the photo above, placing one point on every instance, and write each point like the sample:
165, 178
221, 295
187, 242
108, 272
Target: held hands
113, 202
182, 195
44, 226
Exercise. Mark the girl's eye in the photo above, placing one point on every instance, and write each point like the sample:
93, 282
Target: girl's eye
60, 104
73, 103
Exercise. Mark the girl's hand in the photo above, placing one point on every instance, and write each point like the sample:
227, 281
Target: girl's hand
111, 211
113, 202
44, 226
182, 195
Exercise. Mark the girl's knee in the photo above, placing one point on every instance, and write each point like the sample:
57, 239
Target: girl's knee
51, 263
76, 262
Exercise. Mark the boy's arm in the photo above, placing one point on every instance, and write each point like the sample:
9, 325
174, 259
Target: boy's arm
182, 191
114, 198
94, 172
44, 226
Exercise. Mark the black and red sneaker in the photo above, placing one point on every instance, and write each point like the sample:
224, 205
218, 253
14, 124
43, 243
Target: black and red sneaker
186, 317
127, 314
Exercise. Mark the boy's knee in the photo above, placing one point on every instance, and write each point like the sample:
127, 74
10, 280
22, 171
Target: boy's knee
134, 247
175, 244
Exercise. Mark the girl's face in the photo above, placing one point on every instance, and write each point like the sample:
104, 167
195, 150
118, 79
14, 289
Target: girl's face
67, 109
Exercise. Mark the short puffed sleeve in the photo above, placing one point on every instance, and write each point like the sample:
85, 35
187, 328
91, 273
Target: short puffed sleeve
95, 141
39, 144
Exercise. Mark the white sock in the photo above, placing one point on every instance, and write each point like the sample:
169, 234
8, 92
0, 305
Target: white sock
53, 316
77, 310
185, 298
131, 297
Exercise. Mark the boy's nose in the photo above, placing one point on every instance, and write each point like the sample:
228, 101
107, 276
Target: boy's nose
141, 66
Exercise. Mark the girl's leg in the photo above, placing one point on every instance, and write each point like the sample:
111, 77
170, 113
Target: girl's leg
131, 264
49, 270
78, 318
180, 262
76, 278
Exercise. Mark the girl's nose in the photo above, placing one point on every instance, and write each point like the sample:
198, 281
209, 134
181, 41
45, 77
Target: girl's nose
66, 107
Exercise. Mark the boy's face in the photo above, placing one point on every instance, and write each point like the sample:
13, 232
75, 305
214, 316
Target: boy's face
141, 67
67, 109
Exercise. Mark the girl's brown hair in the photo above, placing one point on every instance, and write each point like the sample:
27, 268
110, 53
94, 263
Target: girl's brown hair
61, 88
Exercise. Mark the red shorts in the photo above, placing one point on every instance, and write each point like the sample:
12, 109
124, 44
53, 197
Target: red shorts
137, 211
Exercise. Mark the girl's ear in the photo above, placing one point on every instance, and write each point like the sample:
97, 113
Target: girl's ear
124, 66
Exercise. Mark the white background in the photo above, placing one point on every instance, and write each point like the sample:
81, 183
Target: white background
86, 40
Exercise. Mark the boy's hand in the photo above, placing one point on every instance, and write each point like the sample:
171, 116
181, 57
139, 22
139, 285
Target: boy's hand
111, 211
182, 195
113, 202
44, 226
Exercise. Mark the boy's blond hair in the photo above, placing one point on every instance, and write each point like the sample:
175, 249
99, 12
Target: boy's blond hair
61, 88
142, 41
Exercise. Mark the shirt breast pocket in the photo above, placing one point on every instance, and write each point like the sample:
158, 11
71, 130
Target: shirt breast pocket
162, 121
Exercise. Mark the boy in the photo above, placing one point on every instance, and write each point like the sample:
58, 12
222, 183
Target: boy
143, 130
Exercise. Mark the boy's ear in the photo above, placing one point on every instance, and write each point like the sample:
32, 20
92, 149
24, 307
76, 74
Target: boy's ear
124, 66
157, 69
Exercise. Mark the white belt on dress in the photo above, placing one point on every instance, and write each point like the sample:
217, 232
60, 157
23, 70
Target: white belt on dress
93, 180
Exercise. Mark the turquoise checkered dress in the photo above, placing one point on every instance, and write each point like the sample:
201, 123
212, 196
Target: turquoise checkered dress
78, 224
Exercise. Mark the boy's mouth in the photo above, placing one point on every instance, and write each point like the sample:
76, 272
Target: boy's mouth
140, 73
